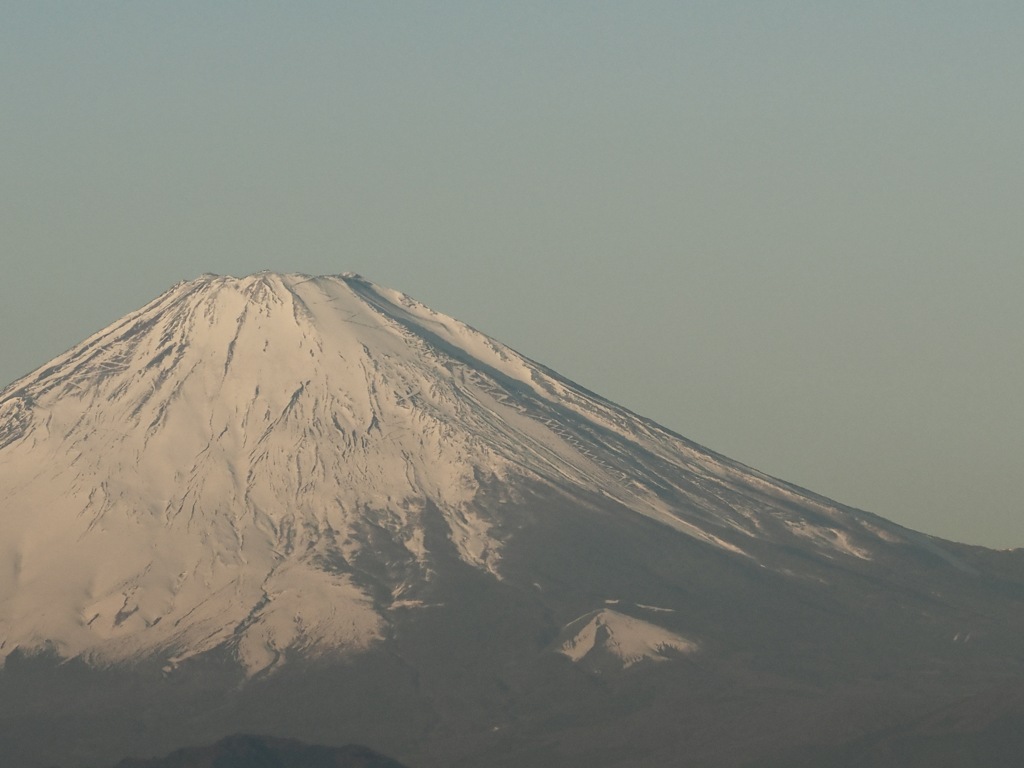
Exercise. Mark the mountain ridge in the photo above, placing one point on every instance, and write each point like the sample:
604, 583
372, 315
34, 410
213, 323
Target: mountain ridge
252, 751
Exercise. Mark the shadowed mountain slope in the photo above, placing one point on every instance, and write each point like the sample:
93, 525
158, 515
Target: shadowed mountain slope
246, 751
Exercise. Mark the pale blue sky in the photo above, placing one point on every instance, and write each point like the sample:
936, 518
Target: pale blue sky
791, 231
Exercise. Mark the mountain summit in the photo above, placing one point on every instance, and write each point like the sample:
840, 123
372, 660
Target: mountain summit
283, 470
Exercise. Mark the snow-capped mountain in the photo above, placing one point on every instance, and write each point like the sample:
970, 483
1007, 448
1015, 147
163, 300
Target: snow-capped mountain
282, 473
212, 468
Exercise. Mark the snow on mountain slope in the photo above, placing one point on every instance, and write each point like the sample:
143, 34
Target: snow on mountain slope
626, 638
209, 470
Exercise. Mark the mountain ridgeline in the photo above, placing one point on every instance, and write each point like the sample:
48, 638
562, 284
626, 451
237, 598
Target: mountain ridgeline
248, 751
314, 507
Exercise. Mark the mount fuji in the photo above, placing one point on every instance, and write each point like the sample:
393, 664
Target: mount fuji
315, 507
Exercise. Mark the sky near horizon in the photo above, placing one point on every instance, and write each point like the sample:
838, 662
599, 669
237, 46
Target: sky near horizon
791, 231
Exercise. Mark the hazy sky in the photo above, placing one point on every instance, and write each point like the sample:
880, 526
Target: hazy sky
791, 231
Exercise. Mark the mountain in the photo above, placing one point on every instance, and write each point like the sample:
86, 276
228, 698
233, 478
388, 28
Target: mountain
314, 507
244, 751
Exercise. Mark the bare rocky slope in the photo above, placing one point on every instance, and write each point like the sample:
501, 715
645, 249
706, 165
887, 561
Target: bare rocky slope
315, 508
